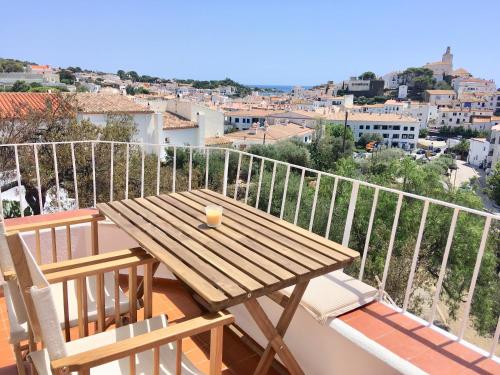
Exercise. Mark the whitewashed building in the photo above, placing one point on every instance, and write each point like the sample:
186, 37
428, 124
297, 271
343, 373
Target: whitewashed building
396, 130
478, 152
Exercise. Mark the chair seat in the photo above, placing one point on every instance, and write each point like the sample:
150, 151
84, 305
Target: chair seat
19, 331
144, 360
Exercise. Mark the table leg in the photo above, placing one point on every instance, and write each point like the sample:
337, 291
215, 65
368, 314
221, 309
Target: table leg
275, 334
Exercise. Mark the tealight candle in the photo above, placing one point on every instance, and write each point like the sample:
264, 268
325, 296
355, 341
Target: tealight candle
214, 215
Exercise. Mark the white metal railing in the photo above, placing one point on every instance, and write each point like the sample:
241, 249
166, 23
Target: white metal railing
255, 167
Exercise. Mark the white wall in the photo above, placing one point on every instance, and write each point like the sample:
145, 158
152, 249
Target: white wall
478, 152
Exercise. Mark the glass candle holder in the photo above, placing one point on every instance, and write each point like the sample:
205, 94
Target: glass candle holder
214, 215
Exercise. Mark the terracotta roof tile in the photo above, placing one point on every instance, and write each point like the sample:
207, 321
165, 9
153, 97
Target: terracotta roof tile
221, 140
274, 132
108, 103
18, 104
172, 121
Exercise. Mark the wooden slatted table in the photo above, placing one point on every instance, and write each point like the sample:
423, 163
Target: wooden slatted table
252, 254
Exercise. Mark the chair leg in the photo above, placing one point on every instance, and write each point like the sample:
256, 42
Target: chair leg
19, 359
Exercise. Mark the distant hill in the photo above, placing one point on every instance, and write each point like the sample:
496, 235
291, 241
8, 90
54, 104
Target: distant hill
13, 65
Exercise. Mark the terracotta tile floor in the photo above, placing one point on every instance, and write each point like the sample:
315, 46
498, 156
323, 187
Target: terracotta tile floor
418, 344
171, 299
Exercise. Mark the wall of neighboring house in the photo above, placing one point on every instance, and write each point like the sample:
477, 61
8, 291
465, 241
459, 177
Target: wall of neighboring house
478, 152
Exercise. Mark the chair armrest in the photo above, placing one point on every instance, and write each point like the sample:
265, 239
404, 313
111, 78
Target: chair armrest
108, 353
93, 265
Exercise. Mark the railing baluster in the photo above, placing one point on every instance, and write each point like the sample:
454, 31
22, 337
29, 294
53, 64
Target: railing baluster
249, 178
415, 255
127, 157
18, 175
116, 290
142, 171
132, 293
475, 273
368, 234
237, 178
158, 165
93, 174
315, 201
285, 188
111, 170
350, 214
56, 174
174, 169
261, 172
299, 197
81, 287
54, 244
442, 271
38, 181
496, 336
271, 189
68, 242
190, 172
207, 162
391, 241
332, 205
226, 166
75, 180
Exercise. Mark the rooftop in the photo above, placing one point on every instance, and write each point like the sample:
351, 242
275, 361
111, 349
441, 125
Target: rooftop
367, 117
108, 103
274, 132
172, 121
18, 104
440, 92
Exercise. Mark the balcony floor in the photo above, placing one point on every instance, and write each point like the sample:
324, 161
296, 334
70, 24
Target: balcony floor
170, 298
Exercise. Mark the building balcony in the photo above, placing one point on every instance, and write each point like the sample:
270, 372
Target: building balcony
406, 327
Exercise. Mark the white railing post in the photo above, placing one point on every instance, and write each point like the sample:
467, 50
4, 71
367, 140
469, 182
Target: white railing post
332, 205
496, 336
142, 170
261, 172
38, 181
271, 189
93, 174
299, 197
236, 184
285, 188
18, 175
56, 173
127, 156
414, 261
226, 166
391, 242
111, 170
315, 200
350, 214
442, 271
368, 234
475, 273
174, 170
75, 180
249, 178
158, 168
207, 162
190, 170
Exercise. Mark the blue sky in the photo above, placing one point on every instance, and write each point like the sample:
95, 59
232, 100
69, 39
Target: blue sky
254, 42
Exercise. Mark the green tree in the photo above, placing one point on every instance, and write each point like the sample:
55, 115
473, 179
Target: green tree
133, 75
369, 137
20, 86
367, 75
494, 184
130, 90
122, 74
67, 76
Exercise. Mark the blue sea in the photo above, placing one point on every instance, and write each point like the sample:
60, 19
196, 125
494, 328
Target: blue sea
282, 88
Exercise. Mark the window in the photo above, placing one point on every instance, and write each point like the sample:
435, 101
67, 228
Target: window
384, 127
367, 127
386, 135
361, 127
395, 136
237, 119
167, 140
412, 128
396, 127
360, 134
405, 128
404, 136
411, 136
376, 127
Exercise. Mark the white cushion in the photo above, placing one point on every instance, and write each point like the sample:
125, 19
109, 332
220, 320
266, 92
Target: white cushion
49, 323
144, 360
18, 322
333, 295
